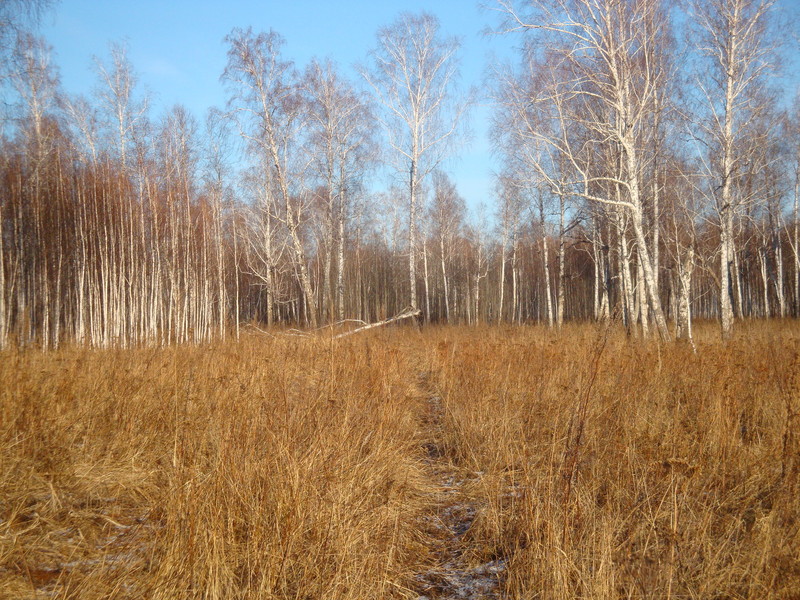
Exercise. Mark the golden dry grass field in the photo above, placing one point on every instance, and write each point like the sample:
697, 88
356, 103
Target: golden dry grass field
401, 463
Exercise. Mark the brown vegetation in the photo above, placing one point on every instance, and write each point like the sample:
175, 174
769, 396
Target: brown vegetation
597, 466
617, 469
269, 469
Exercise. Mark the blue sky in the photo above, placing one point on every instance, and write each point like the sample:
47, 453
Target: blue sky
177, 49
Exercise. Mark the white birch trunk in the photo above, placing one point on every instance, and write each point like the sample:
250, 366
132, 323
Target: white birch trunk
412, 222
340, 259
796, 245
547, 291
561, 264
444, 278
514, 279
425, 276
502, 284
643, 312
685, 270
764, 270
779, 287
625, 272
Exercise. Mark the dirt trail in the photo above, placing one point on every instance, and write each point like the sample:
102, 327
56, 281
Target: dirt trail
451, 577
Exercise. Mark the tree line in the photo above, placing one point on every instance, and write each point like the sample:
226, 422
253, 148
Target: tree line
645, 172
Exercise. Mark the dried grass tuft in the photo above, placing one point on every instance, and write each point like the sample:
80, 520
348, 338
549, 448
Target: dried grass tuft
594, 465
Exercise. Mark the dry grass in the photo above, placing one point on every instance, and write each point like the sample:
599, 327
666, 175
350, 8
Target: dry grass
601, 467
617, 469
263, 470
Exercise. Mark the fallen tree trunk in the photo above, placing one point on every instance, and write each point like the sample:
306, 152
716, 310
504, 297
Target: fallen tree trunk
406, 314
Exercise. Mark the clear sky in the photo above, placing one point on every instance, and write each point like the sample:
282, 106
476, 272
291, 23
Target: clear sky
177, 49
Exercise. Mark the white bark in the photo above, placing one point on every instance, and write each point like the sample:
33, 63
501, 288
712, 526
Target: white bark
685, 270
796, 245
733, 38
444, 277
502, 281
620, 89
561, 292
413, 76
267, 103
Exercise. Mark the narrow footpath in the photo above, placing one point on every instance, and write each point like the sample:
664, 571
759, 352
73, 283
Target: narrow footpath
451, 577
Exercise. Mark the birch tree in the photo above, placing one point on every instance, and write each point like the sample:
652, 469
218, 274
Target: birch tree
605, 84
734, 40
216, 161
413, 73
18, 18
792, 128
35, 80
447, 215
123, 115
343, 149
683, 209
267, 104
510, 205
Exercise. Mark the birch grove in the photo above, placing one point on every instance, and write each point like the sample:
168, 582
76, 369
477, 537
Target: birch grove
630, 183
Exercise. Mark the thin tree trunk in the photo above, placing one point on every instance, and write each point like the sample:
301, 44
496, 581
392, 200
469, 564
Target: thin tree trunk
444, 278
763, 268
514, 279
548, 293
685, 269
561, 264
726, 195
777, 252
643, 312
796, 246
327, 290
598, 269
656, 229
625, 272
502, 284
546, 265
340, 259
649, 278
236, 299
4, 320
725, 305
737, 283
641, 242
412, 221
425, 275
